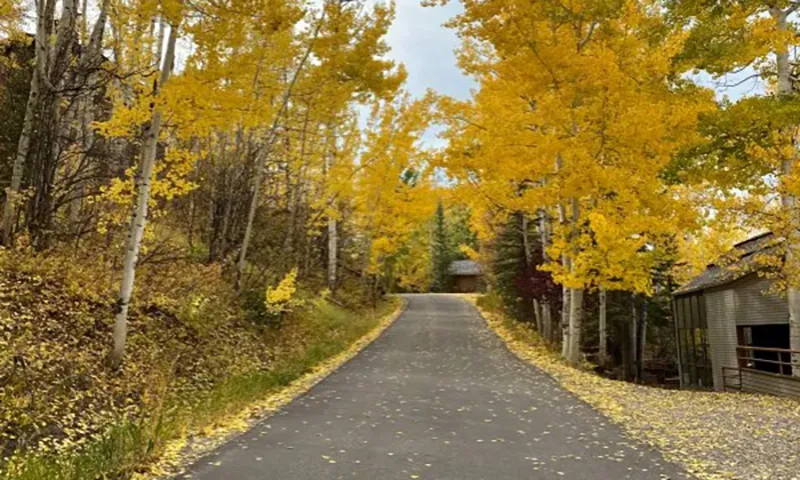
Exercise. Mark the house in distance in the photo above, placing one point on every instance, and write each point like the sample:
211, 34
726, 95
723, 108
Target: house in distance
467, 276
732, 330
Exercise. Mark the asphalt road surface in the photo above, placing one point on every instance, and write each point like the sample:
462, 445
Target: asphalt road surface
437, 396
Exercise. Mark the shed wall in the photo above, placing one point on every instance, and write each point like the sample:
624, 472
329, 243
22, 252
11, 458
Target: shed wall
741, 303
761, 382
720, 312
467, 283
754, 306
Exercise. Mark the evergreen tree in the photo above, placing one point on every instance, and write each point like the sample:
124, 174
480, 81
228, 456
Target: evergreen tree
441, 254
459, 231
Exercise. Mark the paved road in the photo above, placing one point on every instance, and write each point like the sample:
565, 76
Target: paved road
437, 396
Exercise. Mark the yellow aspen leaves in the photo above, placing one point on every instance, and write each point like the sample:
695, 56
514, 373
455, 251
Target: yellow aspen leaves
577, 118
281, 299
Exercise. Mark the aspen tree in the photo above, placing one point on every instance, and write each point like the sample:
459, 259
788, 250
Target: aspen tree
265, 152
565, 93
602, 352
388, 205
139, 215
756, 38
45, 11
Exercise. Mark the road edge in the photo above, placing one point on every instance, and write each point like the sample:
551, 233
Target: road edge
182, 453
494, 323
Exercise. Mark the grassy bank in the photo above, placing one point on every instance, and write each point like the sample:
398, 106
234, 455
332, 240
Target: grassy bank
713, 435
196, 370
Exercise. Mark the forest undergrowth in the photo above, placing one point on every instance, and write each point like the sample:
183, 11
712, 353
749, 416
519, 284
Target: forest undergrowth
198, 357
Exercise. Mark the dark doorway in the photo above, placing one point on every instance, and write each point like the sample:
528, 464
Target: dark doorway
766, 337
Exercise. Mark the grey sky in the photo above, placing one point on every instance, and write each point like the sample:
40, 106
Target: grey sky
420, 41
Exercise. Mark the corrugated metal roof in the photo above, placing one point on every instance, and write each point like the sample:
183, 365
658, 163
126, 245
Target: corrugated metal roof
741, 261
465, 267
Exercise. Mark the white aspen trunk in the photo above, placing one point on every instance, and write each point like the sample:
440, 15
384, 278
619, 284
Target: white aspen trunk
294, 196
526, 243
251, 215
264, 154
633, 337
12, 192
44, 18
547, 319
789, 203
565, 315
66, 30
90, 60
576, 325
333, 238
576, 303
547, 316
576, 295
566, 293
65, 122
53, 125
333, 253
288, 240
56, 119
229, 187
602, 353
162, 28
782, 54
642, 341
139, 215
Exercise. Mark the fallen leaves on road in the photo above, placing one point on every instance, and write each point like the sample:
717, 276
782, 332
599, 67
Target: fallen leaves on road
181, 453
713, 435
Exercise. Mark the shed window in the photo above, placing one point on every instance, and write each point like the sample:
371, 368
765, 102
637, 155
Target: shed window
692, 336
694, 356
765, 348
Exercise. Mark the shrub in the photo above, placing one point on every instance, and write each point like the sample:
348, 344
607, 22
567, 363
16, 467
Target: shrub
282, 299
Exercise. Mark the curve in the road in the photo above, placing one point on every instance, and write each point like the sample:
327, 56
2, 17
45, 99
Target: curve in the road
436, 397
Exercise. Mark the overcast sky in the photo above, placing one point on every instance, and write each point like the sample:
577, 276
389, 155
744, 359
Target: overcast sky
421, 42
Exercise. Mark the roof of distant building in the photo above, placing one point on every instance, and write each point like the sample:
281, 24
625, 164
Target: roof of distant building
465, 267
741, 261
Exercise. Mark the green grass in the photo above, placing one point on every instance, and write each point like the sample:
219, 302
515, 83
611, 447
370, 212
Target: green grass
129, 446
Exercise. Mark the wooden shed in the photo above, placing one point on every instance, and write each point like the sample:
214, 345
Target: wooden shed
732, 332
467, 276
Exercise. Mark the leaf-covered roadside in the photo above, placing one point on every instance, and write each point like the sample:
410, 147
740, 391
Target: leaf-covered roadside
195, 363
713, 435
182, 451
55, 392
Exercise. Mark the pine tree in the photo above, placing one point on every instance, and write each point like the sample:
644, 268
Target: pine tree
441, 252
